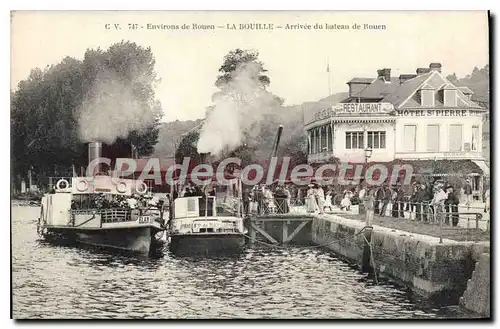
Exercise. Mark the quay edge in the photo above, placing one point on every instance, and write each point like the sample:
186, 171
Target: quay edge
432, 269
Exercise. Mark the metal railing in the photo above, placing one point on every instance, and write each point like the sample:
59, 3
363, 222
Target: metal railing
423, 213
115, 215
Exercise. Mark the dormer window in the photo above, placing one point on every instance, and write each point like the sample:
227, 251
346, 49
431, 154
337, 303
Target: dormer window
427, 96
449, 95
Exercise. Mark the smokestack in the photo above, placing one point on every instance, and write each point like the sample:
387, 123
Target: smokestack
203, 158
95, 151
278, 137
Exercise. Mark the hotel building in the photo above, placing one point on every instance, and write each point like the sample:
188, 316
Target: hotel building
422, 119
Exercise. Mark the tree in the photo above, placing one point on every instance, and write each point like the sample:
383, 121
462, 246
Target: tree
123, 78
233, 61
187, 147
242, 84
46, 108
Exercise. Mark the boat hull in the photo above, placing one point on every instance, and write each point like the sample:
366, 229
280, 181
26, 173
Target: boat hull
206, 243
140, 240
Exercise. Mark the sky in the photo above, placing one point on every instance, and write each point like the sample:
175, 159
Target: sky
187, 61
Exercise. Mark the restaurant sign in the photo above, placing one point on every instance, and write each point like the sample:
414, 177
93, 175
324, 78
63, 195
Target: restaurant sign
352, 109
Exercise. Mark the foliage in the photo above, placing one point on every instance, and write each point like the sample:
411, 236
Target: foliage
45, 107
233, 60
170, 136
478, 81
187, 147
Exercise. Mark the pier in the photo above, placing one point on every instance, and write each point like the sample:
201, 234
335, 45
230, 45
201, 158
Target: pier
433, 266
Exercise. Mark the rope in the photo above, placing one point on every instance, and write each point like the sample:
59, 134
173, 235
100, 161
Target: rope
372, 260
85, 222
310, 247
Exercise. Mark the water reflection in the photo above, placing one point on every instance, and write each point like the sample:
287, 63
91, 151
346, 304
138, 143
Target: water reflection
64, 282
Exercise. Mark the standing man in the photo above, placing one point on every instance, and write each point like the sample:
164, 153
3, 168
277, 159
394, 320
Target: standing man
320, 197
368, 202
288, 196
468, 192
386, 197
451, 206
246, 201
487, 200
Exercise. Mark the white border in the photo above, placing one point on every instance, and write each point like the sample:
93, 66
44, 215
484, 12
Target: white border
189, 5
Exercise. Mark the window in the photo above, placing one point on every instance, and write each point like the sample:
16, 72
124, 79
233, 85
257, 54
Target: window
475, 138
455, 142
354, 140
433, 138
450, 98
410, 138
323, 138
427, 97
376, 139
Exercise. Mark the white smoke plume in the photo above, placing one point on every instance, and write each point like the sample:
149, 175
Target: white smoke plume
237, 112
111, 110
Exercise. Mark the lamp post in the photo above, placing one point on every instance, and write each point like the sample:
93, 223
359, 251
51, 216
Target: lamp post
368, 154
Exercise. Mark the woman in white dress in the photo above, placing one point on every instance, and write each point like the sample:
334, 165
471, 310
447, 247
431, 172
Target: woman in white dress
320, 195
345, 204
311, 200
328, 201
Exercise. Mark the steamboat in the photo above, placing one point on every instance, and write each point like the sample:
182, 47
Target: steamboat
103, 211
207, 220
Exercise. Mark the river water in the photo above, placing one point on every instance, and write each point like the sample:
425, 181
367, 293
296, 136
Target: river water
295, 282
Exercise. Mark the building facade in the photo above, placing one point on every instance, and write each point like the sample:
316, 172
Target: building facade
412, 117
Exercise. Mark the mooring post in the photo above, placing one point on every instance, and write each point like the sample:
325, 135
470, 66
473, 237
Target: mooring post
252, 231
366, 265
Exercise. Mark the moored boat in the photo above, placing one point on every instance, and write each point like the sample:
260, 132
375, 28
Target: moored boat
103, 211
204, 223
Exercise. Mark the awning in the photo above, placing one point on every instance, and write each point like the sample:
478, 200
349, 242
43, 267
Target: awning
484, 167
444, 168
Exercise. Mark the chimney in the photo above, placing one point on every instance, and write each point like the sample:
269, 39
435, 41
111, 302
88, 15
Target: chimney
422, 70
435, 67
95, 152
404, 77
385, 74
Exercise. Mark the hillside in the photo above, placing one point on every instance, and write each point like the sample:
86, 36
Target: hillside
169, 136
291, 117
478, 81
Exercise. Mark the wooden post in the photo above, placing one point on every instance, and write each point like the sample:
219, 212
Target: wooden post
253, 233
284, 238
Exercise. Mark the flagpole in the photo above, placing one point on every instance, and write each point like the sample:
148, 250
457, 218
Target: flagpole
328, 74
330, 100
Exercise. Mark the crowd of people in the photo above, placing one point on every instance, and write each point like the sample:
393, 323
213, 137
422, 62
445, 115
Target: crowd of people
426, 201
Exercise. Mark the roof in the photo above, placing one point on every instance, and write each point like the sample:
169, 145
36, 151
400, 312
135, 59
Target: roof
448, 86
403, 94
379, 88
361, 80
405, 90
466, 90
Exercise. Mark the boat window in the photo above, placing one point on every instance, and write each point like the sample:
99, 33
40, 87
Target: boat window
191, 204
208, 204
